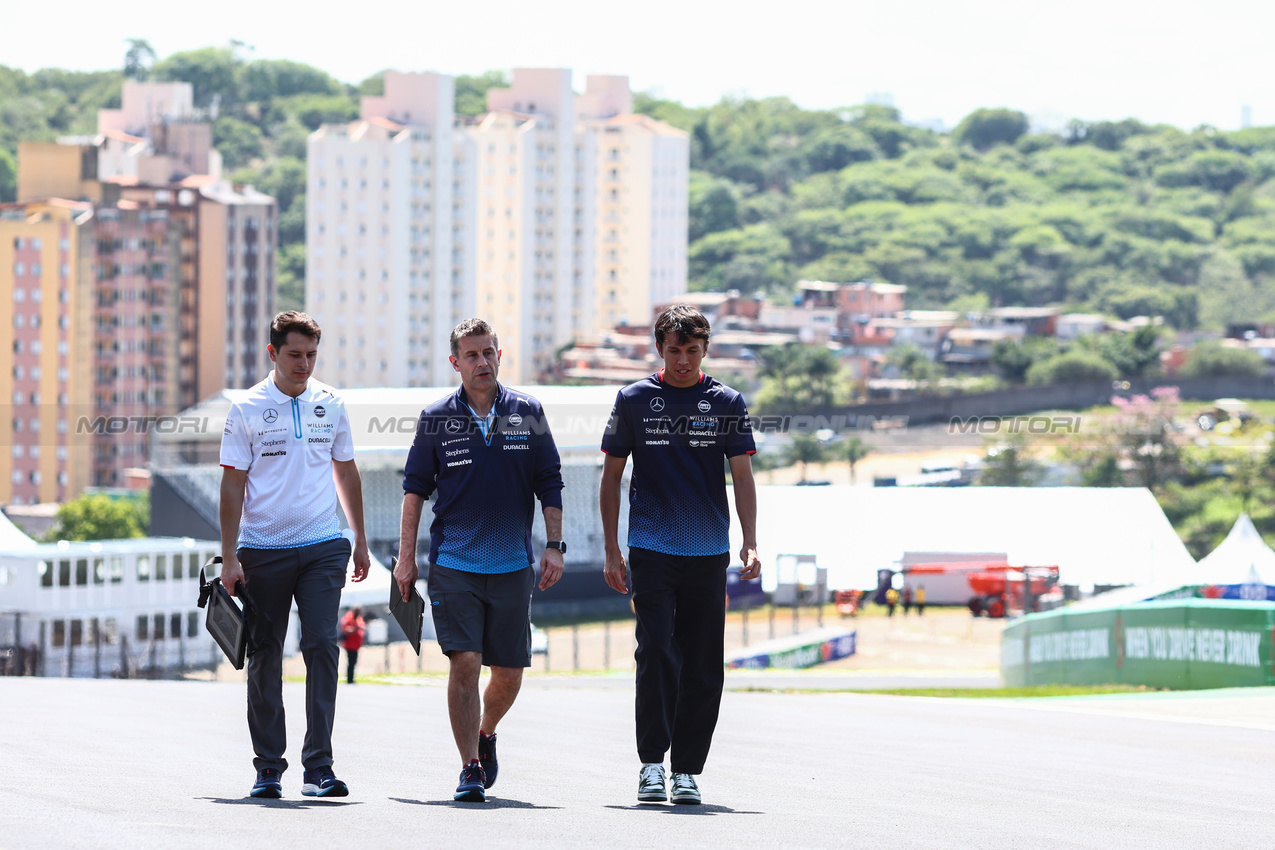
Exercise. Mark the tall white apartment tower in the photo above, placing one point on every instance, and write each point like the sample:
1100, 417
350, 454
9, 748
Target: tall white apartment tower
535, 222
389, 252
642, 173
601, 236
552, 216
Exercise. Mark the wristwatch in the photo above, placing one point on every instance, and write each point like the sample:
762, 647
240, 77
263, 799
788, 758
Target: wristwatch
560, 545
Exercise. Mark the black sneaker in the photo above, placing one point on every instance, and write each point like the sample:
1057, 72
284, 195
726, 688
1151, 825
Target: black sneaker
322, 782
472, 783
268, 785
487, 758
651, 784
685, 790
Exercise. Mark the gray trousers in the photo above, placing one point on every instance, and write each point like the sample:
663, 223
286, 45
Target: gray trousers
314, 576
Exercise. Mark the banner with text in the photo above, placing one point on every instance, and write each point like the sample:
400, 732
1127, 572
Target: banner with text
1182, 643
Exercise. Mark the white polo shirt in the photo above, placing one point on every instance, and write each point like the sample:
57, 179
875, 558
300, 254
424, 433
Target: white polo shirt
287, 445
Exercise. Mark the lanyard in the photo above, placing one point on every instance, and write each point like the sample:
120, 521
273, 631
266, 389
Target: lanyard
486, 424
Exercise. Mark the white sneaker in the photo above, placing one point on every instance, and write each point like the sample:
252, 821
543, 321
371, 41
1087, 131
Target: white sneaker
685, 790
651, 784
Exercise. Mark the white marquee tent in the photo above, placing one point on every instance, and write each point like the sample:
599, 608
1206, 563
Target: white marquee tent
12, 537
1242, 558
1094, 535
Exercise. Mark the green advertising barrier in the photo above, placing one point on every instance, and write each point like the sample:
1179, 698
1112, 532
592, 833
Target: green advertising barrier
1182, 643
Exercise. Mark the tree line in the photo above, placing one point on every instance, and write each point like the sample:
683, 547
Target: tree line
1117, 217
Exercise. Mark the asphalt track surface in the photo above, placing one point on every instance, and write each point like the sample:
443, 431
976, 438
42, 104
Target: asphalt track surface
105, 764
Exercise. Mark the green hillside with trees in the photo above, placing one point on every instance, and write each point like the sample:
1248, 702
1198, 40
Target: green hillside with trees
1121, 218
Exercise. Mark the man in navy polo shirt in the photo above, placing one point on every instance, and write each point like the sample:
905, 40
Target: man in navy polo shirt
681, 427
287, 455
486, 454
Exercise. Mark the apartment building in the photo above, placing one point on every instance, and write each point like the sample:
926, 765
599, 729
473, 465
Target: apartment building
166, 286
46, 253
155, 153
643, 170
550, 216
135, 303
389, 247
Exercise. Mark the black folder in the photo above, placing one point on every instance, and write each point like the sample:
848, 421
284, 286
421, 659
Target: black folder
229, 625
225, 621
410, 614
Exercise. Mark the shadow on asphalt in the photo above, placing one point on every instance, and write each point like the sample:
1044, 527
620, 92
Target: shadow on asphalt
684, 809
280, 804
492, 803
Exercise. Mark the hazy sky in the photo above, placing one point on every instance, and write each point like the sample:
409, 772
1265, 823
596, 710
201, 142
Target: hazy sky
1184, 63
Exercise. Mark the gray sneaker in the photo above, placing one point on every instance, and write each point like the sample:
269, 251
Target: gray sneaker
651, 784
685, 790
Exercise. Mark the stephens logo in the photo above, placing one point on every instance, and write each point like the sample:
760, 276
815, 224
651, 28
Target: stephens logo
454, 425
657, 404
270, 415
704, 406
319, 411
515, 419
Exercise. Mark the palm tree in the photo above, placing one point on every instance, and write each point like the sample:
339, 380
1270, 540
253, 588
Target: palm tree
805, 450
852, 451
819, 370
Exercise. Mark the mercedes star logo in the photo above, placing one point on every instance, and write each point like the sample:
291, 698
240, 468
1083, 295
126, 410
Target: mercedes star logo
454, 426
270, 415
657, 404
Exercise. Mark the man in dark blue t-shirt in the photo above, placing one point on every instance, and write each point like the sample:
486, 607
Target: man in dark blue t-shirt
681, 427
486, 454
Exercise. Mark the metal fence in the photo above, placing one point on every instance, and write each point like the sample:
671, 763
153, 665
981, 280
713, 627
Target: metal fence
93, 649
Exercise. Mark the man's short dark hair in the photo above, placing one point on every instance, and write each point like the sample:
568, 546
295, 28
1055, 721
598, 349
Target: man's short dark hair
472, 327
293, 321
685, 321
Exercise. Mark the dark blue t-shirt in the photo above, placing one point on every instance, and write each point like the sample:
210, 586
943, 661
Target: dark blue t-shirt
679, 438
487, 484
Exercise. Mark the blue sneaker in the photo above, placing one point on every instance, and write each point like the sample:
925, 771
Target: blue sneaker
487, 758
322, 782
472, 783
268, 785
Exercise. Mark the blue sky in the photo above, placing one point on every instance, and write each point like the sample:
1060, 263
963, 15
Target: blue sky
1184, 63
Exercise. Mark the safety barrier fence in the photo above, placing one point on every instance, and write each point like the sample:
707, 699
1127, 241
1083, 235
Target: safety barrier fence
1183, 643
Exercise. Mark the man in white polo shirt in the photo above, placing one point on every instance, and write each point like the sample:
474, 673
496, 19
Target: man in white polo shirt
287, 455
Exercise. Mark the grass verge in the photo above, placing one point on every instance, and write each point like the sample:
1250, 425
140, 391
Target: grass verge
977, 693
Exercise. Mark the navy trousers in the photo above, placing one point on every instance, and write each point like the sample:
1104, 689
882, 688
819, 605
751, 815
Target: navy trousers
680, 603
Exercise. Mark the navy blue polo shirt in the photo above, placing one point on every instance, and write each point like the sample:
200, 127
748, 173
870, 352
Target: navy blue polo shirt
679, 438
487, 480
